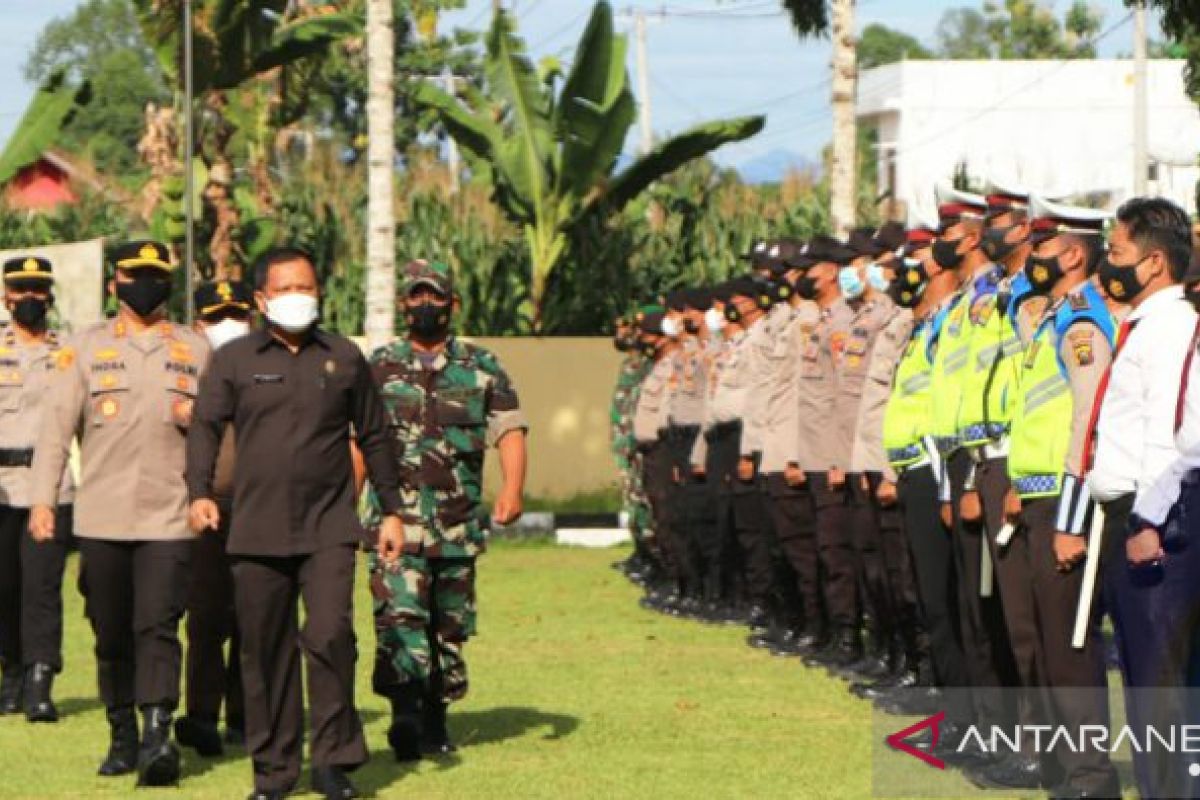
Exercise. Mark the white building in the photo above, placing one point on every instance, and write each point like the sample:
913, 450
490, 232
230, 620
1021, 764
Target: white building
1064, 127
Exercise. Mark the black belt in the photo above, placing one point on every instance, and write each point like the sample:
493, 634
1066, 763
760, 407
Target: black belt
722, 429
16, 458
682, 432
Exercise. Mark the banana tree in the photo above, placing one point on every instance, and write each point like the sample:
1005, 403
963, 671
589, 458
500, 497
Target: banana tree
551, 159
48, 113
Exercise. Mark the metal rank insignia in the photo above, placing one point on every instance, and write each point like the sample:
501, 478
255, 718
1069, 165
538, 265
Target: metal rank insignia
330, 367
108, 408
108, 381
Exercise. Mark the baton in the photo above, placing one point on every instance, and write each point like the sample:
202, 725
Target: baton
985, 566
1088, 590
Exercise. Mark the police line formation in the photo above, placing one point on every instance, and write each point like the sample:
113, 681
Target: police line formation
931, 459
219, 478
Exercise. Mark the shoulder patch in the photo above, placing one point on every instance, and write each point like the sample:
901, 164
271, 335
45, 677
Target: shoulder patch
1078, 301
1081, 342
64, 359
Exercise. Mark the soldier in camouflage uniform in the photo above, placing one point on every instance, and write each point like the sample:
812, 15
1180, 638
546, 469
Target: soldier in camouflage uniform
635, 503
448, 400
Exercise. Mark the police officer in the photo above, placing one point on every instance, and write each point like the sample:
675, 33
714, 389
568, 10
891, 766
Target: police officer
30, 572
1067, 357
448, 401
132, 379
223, 312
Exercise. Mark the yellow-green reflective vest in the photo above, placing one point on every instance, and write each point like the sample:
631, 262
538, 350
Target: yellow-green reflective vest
1041, 425
995, 348
949, 372
906, 418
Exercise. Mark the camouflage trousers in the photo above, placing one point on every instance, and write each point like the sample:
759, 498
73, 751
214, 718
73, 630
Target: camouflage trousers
424, 613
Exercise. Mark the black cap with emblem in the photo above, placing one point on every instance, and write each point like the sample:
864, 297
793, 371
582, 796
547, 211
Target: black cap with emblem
28, 268
142, 254
219, 296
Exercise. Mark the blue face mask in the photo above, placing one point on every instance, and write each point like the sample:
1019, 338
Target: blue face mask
877, 277
852, 285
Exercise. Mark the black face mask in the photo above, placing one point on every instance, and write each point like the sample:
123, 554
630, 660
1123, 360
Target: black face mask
904, 294
994, 246
428, 321
649, 350
30, 312
622, 344
1120, 281
945, 253
732, 314
1043, 273
806, 288
144, 294
690, 326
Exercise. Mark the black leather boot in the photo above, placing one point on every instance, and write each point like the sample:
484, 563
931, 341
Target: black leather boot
12, 682
158, 757
405, 733
123, 742
39, 680
200, 734
435, 738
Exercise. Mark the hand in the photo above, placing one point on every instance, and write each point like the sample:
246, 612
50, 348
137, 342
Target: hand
1144, 547
794, 476
745, 470
837, 478
1068, 550
390, 541
969, 507
863, 483
1012, 507
41, 523
204, 515
886, 494
947, 515
507, 509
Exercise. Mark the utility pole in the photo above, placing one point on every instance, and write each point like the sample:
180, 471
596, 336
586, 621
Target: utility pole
1141, 161
189, 150
842, 159
449, 82
643, 70
381, 148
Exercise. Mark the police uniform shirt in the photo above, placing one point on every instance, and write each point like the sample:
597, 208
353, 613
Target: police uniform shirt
761, 340
867, 454
870, 318
292, 414
650, 417
129, 396
1135, 433
821, 421
688, 384
1087, 354
782, 427
724, 389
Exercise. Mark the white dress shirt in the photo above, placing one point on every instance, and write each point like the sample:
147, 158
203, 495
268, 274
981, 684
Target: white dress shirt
1135, 434
1154, 502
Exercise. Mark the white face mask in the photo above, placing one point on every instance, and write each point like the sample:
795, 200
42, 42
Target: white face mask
670, 327
715, 320
294, 312
225, 331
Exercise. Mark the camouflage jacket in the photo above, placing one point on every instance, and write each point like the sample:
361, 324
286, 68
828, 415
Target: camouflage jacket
444, 417
634, 369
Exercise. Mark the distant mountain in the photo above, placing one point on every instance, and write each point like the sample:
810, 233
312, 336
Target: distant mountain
770, 167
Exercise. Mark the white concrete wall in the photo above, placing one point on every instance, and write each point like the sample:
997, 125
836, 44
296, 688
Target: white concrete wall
1061, 126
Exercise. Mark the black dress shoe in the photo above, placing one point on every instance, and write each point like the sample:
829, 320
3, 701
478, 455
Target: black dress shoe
332, 783
916, 702
868, 668
1111, 791
199, 734
885, 686
1014, 772
266, 794
158, 758
123, 743
39, 681
12, 682
235, 735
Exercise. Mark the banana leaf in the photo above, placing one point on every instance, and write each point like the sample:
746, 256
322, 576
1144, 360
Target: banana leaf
48, 113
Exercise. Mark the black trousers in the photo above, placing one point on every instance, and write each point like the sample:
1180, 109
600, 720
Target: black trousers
267, 591
836, 550
937, 580
1074, 686
900, 580
720, 553
793, 516
690, 505
657, 476
212, 677
869, 572
754, 536
988, 655
31, 574
135, 594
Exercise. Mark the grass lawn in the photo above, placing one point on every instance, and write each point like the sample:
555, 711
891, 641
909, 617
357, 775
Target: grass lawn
577, 692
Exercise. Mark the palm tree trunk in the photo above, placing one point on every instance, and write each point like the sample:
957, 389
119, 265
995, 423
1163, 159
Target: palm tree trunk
381, 223
845, 134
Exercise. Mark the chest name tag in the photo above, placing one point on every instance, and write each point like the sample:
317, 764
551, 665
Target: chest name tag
261, 378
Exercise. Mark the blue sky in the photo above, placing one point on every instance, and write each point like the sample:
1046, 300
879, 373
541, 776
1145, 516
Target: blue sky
705, 61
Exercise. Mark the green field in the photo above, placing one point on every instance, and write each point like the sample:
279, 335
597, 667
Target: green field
577, 692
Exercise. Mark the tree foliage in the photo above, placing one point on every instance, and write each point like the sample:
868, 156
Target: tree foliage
1018, 29
1181, 22
879, 45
